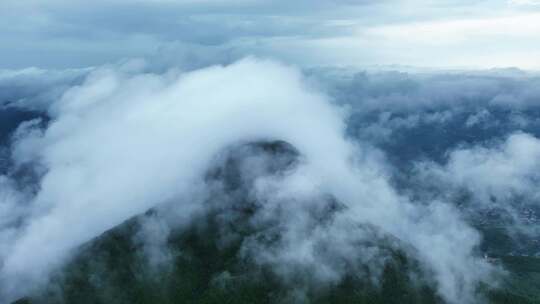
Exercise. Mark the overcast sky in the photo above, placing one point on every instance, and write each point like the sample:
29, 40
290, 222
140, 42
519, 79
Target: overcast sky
442, 33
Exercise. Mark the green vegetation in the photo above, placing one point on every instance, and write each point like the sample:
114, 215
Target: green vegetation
111, 269
522, 285
202, 267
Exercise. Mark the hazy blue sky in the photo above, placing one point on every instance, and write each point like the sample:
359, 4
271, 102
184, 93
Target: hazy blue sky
442, 33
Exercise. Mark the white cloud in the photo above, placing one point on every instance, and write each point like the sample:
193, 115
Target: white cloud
123, 142
501, 176
524, 2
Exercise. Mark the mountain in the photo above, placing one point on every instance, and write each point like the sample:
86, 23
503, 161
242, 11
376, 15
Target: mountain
204, 260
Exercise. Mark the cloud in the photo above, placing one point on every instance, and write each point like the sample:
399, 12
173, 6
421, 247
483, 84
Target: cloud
124, 141
34, 88
502, 175
524, 2
301, 32
401, 92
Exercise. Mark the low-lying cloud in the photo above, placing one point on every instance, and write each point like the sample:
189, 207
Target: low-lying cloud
499, 176
124, 141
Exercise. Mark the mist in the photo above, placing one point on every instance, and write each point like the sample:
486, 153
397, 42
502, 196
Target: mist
123, 141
